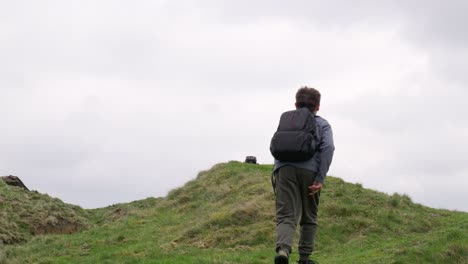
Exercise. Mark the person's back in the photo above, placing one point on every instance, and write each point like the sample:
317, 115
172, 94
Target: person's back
298, 185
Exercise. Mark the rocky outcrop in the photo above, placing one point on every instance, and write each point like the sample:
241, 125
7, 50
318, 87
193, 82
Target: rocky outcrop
14, 181
251, 159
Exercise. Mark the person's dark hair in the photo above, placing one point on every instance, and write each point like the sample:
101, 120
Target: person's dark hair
307, 97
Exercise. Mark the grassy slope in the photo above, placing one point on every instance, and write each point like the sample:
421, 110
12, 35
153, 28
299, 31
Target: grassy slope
24, 213
226, 215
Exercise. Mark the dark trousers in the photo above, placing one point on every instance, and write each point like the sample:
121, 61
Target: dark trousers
294, 205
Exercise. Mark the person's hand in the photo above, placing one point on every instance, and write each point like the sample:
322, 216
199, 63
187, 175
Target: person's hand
314, 188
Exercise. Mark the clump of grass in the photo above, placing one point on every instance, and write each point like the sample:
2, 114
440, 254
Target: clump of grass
396, 200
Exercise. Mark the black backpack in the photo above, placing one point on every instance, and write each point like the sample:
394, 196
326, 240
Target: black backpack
295, 139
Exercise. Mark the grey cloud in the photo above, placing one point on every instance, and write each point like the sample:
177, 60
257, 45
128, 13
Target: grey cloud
427, 128
432, 20
435, 23
436, 27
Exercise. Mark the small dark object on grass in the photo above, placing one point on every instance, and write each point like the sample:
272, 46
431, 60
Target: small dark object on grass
251, 159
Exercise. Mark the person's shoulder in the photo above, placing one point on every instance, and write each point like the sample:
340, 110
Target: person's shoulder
321, 121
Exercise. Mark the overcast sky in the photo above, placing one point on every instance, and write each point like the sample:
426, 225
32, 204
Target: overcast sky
104, 102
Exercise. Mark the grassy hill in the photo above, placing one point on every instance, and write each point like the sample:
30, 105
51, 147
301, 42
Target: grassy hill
24, 214
226, 215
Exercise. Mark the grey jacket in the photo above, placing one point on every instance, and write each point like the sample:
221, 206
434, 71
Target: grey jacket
320, 162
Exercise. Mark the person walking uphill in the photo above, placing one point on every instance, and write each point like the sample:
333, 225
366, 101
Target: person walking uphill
303, 150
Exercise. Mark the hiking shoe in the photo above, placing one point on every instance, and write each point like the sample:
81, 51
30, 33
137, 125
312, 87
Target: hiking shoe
307, 262
281, 257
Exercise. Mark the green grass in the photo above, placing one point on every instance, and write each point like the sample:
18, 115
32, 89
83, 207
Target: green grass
226, 215
24, 214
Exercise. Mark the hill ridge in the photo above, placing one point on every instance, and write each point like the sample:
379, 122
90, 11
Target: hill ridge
226, 215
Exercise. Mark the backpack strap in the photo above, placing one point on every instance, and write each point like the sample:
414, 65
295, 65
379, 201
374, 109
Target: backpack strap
273, 180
